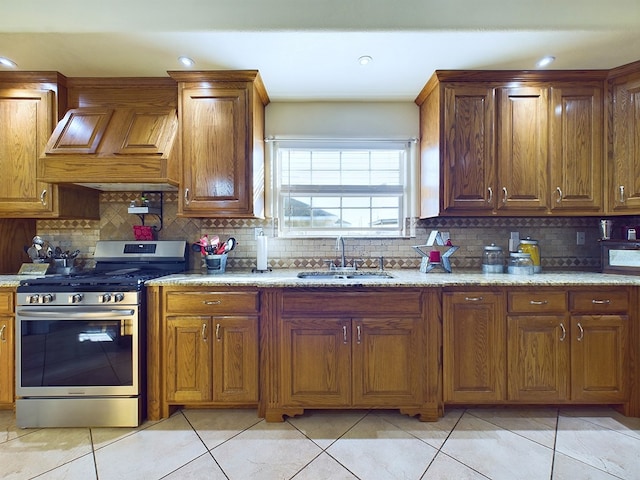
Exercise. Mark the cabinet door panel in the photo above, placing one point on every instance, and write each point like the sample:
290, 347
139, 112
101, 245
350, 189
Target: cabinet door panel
468, 157
576, 138
386, 355
538, 358
474, 347
522, 148
27, 121
316, 362
624, 191
235, 359
6, 360
214, 154
599, 357
188, 359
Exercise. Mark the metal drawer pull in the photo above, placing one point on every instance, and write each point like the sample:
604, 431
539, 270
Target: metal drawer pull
621, 193
204, 332
564, 332
218, 332
473, 299
559, 200
212, 302
505, 194
538, 302
581, 336
359, 333
600, 302
186, 196
43, 197
490, 199
2, 335
344, 334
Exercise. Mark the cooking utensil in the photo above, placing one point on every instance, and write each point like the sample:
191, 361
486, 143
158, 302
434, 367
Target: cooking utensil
230, 244
33, 253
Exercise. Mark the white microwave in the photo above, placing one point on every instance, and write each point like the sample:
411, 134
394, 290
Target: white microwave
620, 256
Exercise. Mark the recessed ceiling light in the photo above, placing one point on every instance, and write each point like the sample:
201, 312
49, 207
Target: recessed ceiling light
544, 61
186, 61
7, 63
365, 60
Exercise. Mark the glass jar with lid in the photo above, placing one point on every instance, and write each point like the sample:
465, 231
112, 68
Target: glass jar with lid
492, 259
520, 263
531, 247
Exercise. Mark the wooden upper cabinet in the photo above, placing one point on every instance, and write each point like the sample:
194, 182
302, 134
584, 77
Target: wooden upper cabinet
576, 124
222, 131
522, 149
623, 194
512, 143
468, 173
27, 117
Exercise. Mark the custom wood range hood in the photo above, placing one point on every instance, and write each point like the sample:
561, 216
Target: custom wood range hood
114, 148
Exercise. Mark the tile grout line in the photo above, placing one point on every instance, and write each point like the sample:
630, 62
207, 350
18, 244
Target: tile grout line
439, 451
208, 451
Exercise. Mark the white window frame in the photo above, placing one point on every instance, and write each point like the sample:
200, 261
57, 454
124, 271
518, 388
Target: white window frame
408, 191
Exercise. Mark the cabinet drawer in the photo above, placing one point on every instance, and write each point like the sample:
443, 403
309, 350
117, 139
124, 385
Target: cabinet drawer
532, 302
6, 302
352, 303
212, 302
599, 301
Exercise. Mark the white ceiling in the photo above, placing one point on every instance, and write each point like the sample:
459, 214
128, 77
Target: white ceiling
308, 49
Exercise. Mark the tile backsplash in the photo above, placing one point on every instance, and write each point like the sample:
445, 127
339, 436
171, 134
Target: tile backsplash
556, 236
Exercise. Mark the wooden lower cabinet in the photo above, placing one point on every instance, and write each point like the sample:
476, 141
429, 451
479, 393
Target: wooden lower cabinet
473, 346
212, 359
7, 374
599, 358
208, 343
550, 346
348, 349
189, 372
538, 358
568, 345
339, 362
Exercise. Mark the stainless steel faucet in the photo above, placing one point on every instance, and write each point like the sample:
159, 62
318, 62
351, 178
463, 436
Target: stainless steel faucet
340, 245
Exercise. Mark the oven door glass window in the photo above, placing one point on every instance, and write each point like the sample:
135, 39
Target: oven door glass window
77, 353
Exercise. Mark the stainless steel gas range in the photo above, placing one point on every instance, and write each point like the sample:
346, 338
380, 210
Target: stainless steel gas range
80, 339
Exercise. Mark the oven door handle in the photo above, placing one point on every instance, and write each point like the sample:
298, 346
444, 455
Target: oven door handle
76, 313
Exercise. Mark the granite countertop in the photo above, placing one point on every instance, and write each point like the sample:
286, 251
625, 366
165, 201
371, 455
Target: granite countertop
401, 278
13, 280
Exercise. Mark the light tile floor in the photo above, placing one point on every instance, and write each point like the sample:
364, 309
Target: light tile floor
491, 443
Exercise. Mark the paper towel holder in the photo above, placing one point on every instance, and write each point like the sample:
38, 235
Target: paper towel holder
260, 253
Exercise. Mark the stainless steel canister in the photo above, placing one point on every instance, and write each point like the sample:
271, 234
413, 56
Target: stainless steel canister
605, 229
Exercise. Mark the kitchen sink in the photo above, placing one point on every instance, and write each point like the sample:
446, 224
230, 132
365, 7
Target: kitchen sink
355, 274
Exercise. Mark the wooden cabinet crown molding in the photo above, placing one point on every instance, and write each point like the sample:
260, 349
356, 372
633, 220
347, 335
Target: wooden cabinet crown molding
252, 76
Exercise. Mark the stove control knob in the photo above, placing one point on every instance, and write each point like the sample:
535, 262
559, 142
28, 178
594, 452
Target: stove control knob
76, 298
104, 298
47, 298
33, 298
118, 297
